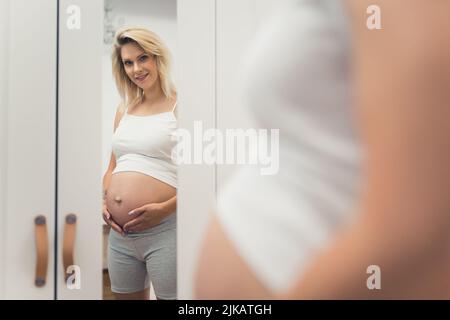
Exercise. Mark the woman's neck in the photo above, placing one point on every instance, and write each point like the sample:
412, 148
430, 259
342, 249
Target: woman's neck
153, 94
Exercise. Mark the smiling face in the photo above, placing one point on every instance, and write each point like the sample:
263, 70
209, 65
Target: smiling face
139, 66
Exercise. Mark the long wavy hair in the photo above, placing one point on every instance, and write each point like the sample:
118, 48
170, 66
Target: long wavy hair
152, 44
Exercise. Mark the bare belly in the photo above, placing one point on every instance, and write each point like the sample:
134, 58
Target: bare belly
131, 190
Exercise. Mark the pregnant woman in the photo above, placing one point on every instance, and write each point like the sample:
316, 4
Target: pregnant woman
140, 183
364, 179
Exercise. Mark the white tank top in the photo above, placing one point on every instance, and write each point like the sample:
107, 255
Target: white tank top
144, 144
296, 78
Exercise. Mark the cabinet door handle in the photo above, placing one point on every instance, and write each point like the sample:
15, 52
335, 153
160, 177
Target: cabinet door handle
69, 242
40, 226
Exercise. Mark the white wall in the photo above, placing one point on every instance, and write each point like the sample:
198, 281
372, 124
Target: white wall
4, 32
156, 15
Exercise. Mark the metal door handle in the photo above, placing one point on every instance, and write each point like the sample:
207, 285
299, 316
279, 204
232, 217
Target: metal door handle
40, 226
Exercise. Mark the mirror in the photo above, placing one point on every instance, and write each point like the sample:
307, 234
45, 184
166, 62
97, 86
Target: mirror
136, 177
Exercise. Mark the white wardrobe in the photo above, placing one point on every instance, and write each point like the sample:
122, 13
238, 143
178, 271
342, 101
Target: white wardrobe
50, 142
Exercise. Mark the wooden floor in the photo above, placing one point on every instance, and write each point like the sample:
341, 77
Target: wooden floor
107, 294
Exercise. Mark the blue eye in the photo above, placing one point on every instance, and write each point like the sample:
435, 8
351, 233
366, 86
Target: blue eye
143, 58
127, 63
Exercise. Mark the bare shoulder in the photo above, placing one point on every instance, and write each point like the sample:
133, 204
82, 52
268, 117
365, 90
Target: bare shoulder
402, 68
402, 76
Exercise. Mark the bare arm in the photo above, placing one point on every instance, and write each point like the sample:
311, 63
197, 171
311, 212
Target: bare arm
403, 88
106, 179
112, 161
108, 173
170, 205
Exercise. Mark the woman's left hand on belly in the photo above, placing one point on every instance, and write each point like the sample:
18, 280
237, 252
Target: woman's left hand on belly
147, 216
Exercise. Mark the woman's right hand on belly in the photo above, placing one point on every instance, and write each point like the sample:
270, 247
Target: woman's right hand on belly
109, 220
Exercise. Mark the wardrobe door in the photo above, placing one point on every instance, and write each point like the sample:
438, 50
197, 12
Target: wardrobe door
27, 144
213, 38
197, 96
79, 268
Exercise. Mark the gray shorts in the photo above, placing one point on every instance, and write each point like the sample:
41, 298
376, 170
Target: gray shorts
143, 257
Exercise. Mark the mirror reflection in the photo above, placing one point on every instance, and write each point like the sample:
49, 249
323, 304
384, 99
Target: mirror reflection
140, 180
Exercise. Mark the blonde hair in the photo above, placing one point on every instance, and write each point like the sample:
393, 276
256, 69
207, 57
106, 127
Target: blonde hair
151, 44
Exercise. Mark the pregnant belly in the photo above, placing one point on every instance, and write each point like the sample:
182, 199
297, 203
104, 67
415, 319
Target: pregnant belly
131, 190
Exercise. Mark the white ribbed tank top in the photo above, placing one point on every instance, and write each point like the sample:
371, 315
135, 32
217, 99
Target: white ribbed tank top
144, 144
